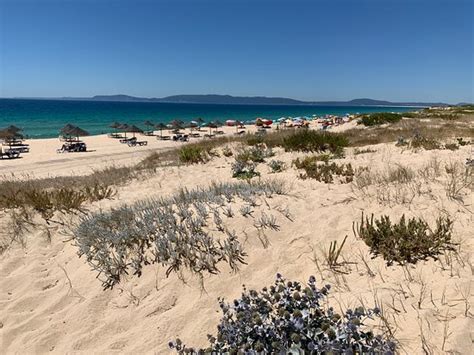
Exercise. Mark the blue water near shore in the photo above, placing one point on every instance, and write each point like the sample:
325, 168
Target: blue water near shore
44, 118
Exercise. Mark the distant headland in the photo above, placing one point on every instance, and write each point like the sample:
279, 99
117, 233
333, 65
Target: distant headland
246, 100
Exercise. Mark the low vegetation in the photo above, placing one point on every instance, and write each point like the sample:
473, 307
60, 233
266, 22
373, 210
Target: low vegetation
314, 141
400, 184
290, 318
379, 118
246, 161
174, 232
406, 241
440, 130
319, 168
276, 166
194, 154
358, 151
427, 143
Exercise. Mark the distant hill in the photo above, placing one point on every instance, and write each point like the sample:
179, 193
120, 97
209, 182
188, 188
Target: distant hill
251, 100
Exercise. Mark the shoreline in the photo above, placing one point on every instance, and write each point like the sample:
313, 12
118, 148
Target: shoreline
102, 151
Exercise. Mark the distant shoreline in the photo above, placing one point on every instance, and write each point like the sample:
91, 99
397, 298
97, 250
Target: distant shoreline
235, 100
44, 118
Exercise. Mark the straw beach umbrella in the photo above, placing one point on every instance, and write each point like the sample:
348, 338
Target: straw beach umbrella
210, 125
149, 124
115, 125
191, 125
65, 131
10, 134
74, 131
161, 126
13, 129
124, 127
134, 129
177, 124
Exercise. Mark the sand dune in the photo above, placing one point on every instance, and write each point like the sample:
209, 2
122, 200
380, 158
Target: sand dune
50, 300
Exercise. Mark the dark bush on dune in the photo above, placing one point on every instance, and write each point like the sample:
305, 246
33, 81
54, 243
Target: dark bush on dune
289, 317
313, 141
406, 241
379, 118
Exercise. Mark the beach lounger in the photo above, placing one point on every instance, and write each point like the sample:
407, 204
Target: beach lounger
209, 136
21, 148
9, 154
194, 135
163, 138
149, 133
239, 133
72, 147
220, 132
127, 140
135, 143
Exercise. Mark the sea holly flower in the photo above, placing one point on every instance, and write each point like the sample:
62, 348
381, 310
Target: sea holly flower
292, 321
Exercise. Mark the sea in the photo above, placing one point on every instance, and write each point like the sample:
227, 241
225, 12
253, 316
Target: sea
45, 118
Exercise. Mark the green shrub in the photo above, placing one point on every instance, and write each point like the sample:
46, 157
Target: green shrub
420, 141
451, 146
379, 118
313, 141
276, 166
243, 169
405, 242
324, 172
193, 154
413, 114
254, 139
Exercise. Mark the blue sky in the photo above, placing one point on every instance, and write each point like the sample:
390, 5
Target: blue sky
416, 50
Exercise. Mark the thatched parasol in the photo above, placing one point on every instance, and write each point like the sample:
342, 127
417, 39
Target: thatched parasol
134, 129
210, 125
10, 135
73, 131
161, 126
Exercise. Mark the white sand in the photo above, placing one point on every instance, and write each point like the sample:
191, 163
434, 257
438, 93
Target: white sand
43, 160
50, 300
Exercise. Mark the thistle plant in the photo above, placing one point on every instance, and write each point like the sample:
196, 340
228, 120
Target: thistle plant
289, 317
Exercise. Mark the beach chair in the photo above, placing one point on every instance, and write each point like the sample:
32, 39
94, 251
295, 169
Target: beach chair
127, 140
70, 147
9, 154
137, 143
163, 138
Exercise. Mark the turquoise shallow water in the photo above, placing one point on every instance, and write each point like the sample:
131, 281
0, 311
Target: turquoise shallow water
44, 118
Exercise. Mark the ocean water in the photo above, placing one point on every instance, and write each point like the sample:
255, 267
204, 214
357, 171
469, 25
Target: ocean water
44, 118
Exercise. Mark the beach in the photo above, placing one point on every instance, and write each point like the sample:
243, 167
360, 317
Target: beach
52, 301
102, 151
